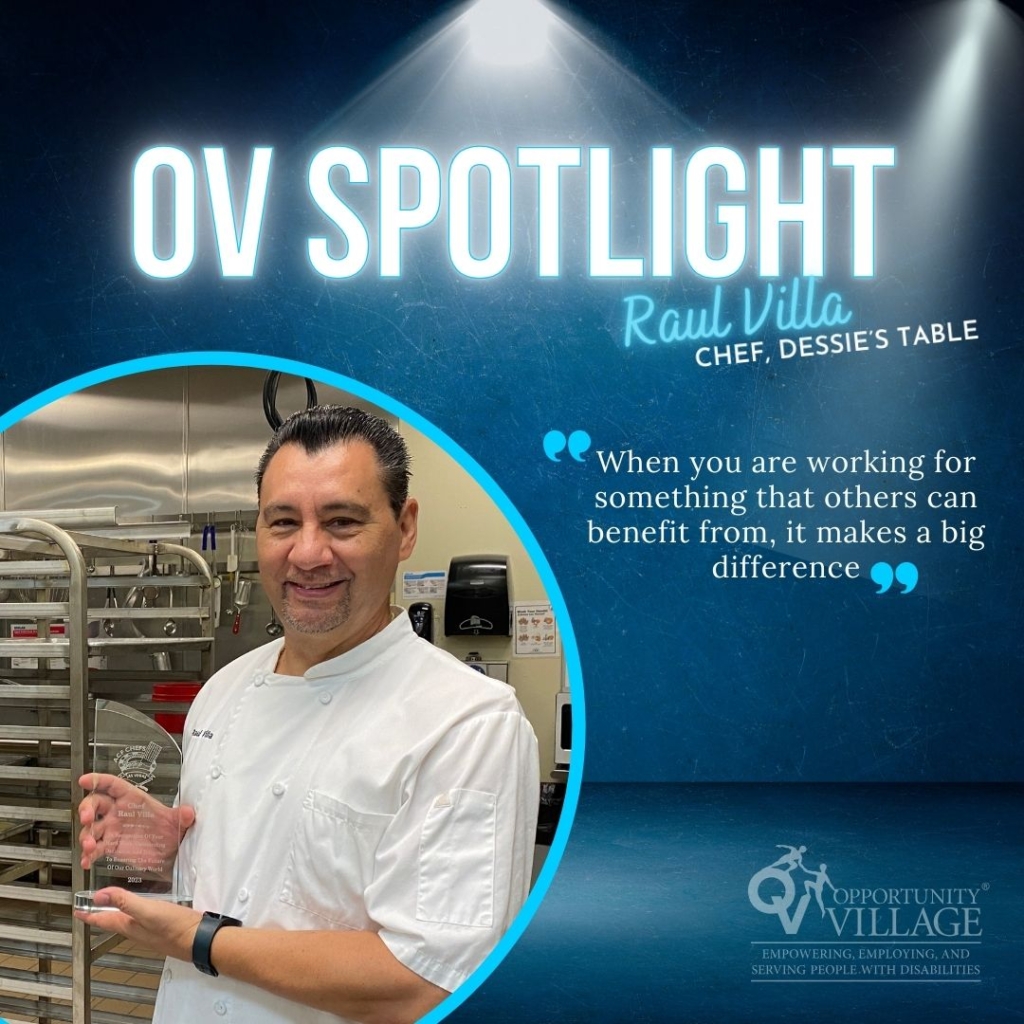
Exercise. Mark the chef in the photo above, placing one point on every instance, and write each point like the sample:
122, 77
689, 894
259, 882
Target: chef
357, 807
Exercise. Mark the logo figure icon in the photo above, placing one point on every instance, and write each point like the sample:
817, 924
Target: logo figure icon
781, 872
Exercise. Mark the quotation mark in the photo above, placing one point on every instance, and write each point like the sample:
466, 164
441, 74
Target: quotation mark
555, 442
905, 574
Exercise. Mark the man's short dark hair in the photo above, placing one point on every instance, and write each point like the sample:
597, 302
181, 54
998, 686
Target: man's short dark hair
324, 426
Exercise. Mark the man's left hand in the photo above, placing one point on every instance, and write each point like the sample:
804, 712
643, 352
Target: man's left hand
168, 928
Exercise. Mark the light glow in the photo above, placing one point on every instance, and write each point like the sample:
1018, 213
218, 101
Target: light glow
508, 32
946, 125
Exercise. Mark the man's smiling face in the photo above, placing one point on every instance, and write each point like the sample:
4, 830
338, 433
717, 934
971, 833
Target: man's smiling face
329, 544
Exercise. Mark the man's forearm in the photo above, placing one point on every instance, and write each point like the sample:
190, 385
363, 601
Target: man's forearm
351, 974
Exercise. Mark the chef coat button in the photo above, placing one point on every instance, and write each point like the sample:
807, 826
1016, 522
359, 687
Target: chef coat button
243, 895
325, 698
215, 772
259, 679
220, 1008
277, 789
168, 975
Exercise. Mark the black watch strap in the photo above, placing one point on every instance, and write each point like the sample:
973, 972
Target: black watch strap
208, 927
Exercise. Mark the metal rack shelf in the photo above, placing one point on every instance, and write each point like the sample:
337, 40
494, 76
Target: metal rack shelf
44, 734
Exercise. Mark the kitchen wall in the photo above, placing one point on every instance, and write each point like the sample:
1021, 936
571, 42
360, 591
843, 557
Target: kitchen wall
185, 441
457, 517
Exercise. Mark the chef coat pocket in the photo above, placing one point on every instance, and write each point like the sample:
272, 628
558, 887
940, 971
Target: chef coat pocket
456, 864
331, 859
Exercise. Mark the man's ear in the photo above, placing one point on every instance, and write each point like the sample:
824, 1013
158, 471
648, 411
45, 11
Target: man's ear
408, 523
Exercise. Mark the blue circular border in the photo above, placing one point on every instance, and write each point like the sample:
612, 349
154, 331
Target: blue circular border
403, 412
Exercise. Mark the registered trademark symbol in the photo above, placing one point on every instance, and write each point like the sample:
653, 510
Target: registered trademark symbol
985, 886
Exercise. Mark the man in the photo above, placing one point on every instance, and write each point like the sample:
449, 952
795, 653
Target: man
363, 803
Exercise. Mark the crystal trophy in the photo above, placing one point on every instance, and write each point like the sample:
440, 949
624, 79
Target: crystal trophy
136, 769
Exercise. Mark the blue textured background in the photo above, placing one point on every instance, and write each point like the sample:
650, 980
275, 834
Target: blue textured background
687, 677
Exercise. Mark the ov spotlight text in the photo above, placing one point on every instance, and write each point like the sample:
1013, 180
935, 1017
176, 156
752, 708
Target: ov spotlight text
706, 213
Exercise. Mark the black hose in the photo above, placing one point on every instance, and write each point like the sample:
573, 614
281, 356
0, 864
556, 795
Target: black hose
270, 398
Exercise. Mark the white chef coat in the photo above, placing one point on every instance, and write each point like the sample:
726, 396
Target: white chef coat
391, 789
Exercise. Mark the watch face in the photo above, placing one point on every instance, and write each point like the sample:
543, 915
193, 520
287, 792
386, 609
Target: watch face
222, 918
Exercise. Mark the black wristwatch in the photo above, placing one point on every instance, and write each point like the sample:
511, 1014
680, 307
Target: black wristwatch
208, 927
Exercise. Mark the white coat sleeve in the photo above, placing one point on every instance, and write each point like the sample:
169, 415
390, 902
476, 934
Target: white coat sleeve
453, 867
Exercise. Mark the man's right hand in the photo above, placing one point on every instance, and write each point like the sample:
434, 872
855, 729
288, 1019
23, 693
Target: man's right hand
125, 823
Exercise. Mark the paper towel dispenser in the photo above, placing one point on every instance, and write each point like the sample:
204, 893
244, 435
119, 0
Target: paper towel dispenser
478, 601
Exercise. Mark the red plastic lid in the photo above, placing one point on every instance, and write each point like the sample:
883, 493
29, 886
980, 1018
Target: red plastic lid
176, 691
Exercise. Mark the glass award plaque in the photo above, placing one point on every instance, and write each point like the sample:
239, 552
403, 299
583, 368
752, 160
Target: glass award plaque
134, 785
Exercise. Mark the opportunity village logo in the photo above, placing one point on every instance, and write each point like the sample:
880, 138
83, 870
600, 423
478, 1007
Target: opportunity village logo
862, 932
